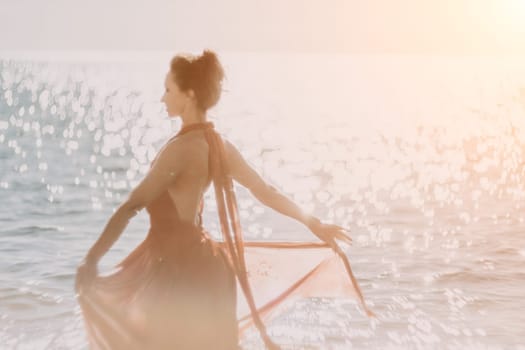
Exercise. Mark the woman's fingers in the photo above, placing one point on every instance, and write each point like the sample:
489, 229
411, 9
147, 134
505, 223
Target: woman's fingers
340, 234
329, 233
79, 279
85, 275
337, 232
345, 238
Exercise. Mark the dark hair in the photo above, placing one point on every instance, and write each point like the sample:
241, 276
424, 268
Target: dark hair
203, 74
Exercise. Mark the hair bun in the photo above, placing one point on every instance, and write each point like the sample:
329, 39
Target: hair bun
208, 63
208, 55
202, 73
208, 59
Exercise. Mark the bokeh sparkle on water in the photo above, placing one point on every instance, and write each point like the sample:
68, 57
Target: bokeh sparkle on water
422, 157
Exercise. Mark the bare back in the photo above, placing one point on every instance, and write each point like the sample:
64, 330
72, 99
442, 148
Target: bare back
190, 185
181, 168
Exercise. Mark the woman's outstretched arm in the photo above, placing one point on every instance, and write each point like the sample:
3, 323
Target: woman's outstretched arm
243, 173
268, 195
112, 231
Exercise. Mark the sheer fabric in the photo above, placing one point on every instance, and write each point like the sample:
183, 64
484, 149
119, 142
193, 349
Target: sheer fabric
180, 289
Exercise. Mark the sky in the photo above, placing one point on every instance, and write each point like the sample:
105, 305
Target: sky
353, 26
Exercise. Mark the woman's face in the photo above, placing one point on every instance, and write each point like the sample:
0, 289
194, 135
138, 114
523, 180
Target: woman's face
174, 99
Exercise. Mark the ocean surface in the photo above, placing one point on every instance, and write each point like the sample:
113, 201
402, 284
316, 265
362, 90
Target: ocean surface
422, 157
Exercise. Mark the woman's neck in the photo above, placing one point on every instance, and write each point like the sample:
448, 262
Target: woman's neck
193, 117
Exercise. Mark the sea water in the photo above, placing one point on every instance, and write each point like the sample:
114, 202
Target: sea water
421, 157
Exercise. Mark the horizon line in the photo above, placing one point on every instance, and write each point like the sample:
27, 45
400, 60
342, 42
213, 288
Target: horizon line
145, 55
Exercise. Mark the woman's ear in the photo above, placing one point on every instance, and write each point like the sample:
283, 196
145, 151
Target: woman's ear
190, 93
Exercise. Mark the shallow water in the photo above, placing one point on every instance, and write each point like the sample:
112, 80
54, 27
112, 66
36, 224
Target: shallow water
422, 157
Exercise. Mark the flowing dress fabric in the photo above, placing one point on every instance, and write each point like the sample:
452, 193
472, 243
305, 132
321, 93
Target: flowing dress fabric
180, 289
174, 291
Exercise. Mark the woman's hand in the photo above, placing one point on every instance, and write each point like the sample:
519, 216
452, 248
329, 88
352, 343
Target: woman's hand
87, 271
329, 232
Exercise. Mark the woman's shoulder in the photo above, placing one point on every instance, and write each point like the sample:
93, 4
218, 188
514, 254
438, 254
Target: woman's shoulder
195, 146
189, 145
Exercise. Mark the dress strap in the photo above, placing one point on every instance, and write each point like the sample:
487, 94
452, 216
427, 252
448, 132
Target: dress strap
194, 126
229, 219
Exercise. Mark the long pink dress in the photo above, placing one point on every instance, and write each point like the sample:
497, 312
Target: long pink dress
180, 289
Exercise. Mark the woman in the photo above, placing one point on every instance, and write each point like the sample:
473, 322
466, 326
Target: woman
177, 289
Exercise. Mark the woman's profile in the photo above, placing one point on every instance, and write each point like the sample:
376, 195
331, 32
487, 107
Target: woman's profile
177, 289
